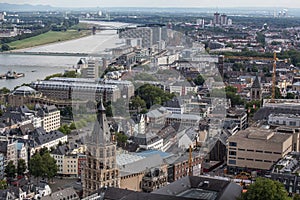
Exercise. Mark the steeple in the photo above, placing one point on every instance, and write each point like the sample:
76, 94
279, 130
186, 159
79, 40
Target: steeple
256, 91
256, 83
100, 135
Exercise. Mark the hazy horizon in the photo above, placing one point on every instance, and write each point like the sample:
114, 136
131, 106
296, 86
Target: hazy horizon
161, 3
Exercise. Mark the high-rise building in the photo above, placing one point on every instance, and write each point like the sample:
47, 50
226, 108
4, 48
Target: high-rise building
145, 33
101, 168
216, 20
224, 20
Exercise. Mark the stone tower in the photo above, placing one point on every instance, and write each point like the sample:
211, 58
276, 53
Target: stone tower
256, 90
101, 168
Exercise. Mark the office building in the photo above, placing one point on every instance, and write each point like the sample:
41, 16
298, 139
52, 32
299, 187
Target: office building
257, 148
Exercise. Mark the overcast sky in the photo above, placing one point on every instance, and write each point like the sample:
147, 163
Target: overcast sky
162, 3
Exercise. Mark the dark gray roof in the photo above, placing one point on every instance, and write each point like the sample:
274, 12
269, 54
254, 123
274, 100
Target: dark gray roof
206, 188
256, 83
42, 137
263, 113
68, 193
117, 194
174, 103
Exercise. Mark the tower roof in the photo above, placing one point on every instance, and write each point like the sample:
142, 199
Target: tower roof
101, 106
256, 83
100, 135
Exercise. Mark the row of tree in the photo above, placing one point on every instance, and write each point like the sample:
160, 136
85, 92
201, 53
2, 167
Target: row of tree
41, 165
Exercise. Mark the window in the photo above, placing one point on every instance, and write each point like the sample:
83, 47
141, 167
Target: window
241, 149
233, 144
232, 153
232, 162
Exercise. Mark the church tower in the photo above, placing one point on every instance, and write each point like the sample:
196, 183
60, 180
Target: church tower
256, 90
100, 168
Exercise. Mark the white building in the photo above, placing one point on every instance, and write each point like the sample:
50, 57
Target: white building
284, 119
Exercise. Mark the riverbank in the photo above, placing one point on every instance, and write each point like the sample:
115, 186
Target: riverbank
48, 38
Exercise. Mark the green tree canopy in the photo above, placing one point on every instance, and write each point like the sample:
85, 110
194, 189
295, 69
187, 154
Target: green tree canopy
137, 102
264, 189
153, 95
4, 90
10, 170
43, 165
199, 80
21, 167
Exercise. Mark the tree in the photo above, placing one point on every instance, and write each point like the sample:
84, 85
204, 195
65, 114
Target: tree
5, 47
21, 167
10, 170
36, 166
49, 166
253, 106
43, 165
4, 90
290, 96
199, 80
3, 185
137, 102
149, 94
265, 188
72, 126
238, 67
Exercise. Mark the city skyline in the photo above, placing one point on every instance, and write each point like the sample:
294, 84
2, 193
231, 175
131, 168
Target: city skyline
159, 3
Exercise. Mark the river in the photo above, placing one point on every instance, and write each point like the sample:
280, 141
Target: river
39, 66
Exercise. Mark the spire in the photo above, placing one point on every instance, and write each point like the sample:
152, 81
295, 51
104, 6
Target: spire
101, 108
256, 83
100, 135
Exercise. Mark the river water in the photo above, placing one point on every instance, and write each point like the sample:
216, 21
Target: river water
37, 67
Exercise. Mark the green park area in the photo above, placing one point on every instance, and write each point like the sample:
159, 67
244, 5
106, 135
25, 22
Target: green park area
47, 38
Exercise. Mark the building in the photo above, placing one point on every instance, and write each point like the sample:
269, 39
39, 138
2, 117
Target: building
134, 167
183, 120
223, 20
239, 116
91, 69
292, 120
149, 141
256, 91
184, 189
201, 187
69, 159
257, 148
286, 171
216, 20
101, 167
183, 88
67, 193
157, 117
154, 179
2, 165
46, 139
50, 116
178, 166
63, 90
145, 33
